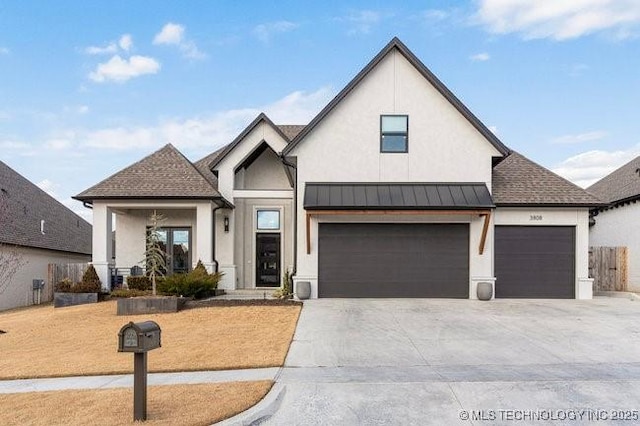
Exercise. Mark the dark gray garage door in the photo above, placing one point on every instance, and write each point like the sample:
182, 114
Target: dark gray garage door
535, 261
393, 260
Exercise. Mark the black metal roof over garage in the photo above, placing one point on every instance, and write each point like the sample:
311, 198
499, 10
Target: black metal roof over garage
397, 196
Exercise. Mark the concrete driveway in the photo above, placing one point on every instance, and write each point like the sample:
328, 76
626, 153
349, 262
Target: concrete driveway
433, 361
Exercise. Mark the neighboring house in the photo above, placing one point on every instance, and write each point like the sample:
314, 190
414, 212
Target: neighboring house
41, 231
395, 189
617, 223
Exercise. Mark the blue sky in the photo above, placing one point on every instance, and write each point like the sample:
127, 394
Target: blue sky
87, 88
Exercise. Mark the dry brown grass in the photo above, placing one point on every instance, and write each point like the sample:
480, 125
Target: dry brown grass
82, 340
166, 405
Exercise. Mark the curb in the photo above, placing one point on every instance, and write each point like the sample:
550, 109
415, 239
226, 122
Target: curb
260, 412
619, 294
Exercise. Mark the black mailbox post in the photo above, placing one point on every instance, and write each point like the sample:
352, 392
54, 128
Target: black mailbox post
139, 338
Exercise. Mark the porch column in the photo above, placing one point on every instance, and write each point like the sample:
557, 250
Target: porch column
102, 245
204, 237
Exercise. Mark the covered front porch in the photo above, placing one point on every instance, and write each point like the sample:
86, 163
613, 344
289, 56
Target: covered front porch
187, 235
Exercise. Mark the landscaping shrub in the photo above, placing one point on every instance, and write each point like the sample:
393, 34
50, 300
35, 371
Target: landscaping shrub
124, 293
90, 278
67, 286
197, 283
139, 283
286, 292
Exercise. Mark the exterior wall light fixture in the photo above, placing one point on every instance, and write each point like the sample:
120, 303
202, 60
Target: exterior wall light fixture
226, 224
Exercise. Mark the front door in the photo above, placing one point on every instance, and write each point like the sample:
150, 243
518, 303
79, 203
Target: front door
267, 259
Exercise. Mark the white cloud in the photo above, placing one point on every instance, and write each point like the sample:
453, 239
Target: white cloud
435, 15
170, 34
362, 21
101, 50
493, 129
264, 32
57, 144
480, 57
174, 35
13, 145
559, 19
82, 109
4, 50
120, 70
580, 137
205, 133
587, 168
126, 42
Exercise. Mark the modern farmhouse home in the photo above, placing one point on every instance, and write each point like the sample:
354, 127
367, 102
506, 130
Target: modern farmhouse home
395, 189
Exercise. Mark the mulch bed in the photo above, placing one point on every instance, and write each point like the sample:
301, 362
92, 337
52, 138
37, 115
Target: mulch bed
240, 302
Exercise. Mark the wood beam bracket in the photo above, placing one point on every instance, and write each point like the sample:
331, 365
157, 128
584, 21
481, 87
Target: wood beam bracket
485, 229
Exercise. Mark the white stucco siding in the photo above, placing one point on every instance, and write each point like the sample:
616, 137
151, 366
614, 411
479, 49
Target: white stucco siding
266, 172
261, 132
19, 291
620, 227
443, 146
578, 217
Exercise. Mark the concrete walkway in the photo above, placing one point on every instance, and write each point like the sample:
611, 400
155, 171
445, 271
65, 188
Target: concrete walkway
126, 380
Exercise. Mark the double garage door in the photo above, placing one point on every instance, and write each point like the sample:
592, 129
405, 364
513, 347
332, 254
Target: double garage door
393, 260
432, 260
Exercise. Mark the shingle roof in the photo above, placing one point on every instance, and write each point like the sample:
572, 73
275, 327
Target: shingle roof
203, 165
27, 205
164, 174
620, 185
519, 181
291, 130
396, 196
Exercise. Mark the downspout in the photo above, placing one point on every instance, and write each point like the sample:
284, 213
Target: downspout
87, 204
213, 236
295, 212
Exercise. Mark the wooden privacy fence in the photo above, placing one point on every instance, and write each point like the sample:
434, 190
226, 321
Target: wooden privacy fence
608, 268
58, 271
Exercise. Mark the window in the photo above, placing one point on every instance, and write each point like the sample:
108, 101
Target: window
176, 245
394, 133
269, 219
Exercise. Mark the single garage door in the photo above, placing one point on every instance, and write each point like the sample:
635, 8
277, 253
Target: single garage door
535, 262
393, 260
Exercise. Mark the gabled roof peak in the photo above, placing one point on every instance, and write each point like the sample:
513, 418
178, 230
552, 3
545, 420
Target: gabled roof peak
396, 43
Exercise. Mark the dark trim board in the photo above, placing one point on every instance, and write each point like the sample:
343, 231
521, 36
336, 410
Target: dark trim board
393, 260
535, 262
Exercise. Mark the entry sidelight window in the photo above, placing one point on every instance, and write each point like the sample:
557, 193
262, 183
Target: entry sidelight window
394, 133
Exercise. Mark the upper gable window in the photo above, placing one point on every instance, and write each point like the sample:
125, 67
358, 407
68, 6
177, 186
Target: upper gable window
394, 133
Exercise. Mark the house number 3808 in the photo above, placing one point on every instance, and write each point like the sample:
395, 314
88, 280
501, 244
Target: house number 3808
535, 217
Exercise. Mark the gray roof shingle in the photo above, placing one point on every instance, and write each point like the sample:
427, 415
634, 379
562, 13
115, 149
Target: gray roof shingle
164, 174
519, 181
291, 130
26, 206
621, 184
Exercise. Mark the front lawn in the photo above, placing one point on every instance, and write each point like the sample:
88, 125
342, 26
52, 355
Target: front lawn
82, 340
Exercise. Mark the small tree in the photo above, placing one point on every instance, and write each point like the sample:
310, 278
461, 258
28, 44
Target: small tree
155, 257
11, 260
90, 276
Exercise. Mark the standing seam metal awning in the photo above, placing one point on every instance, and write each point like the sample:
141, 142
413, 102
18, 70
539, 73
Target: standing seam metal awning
398, 199
404, 196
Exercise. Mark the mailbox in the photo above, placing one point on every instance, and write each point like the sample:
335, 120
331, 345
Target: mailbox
139, 337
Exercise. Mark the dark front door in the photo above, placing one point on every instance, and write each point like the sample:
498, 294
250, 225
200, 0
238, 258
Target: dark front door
268, 259
393, 260
535, 262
